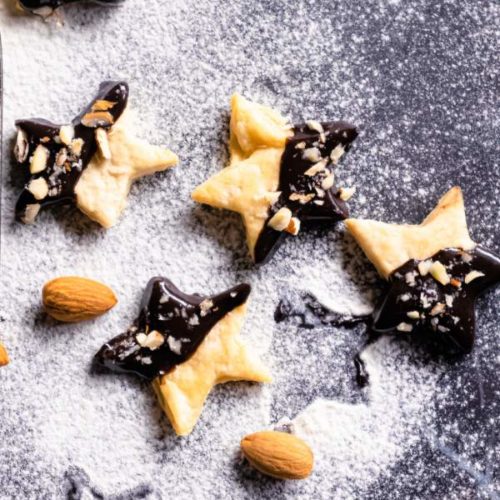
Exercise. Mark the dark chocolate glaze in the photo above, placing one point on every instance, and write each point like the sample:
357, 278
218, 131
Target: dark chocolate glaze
446, 312
310, 313
62, 178
183, 321
362, 375
326, 206
47, 7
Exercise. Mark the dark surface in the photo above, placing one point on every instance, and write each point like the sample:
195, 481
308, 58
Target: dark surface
78, 486
438, 81
421, 80
456, 459
432, 126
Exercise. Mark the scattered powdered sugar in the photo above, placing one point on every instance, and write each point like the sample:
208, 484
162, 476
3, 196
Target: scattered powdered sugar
416, 78
349, 289
365, 439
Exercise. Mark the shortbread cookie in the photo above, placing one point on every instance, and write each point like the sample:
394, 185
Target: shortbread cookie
279, 175
45, 8
435, 272
186, 344
91, 162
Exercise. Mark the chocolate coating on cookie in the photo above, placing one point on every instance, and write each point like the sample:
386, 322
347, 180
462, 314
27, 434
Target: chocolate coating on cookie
438, 301
170, 327
54, 156
45, 8
306, 183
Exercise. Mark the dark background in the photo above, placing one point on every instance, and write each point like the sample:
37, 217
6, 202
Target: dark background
420, 78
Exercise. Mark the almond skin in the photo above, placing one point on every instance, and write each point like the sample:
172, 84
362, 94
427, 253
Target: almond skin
4, 356
71, 299
278, 454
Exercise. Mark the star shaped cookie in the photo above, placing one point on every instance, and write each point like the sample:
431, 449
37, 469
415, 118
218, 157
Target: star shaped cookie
279, 175
46, 8
186, 344
435, 273
91, 162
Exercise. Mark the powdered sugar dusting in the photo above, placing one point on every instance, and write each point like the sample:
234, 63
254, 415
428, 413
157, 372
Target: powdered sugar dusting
364, 440
419, 81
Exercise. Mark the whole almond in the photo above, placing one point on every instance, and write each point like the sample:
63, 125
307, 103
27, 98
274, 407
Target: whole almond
278, 454
71, 298
4, 357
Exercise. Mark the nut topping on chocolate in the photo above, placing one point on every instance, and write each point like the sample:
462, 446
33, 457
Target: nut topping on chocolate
312, 154
472, 276
316, 168
21, 148
307, 180
280, 220
337, 153
315, 125
293, 226
98, 119
54, 156
404, 327
66, 134
269, 155
438, 272
450, 310
424, 267
346, 194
